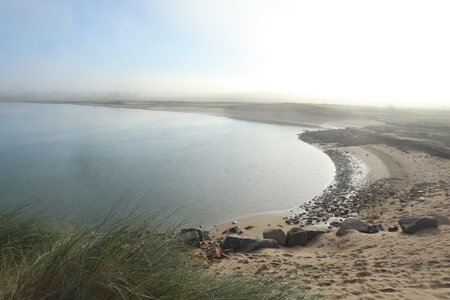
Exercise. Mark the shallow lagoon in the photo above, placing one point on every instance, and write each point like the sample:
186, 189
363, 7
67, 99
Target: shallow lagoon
84, 160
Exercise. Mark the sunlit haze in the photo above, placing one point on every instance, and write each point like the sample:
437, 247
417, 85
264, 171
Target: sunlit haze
351, 52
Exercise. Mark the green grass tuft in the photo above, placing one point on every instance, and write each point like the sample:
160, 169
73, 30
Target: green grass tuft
120, 258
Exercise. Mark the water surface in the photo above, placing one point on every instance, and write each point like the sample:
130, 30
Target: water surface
208, 169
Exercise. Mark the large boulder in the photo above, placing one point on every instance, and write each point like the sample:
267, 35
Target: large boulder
358, 225
247, 244
193, 236
295, 237
315, 230
276, 234
411, 225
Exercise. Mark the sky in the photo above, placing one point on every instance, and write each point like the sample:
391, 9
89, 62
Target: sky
352, 52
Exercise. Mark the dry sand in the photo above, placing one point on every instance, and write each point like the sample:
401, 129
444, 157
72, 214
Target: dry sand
386, 265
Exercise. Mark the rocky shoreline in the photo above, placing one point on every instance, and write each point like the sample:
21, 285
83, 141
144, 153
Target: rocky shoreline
348, 196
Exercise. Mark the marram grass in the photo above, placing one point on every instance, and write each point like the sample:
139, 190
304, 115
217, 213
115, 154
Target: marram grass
120, 258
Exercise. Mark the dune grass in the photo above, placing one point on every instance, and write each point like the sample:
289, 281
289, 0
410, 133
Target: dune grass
119, 258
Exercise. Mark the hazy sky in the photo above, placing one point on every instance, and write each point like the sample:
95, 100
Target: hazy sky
367, 52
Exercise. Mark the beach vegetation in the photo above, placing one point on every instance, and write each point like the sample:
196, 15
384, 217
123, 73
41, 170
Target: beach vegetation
127, 257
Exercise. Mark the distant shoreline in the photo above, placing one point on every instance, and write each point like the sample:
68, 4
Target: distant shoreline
291, 114
216, 113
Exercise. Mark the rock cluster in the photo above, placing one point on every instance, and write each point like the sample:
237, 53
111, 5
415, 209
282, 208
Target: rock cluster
233, 229
273, 238
341, 199
341, 202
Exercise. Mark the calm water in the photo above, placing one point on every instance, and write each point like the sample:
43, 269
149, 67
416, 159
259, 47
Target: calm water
83, 160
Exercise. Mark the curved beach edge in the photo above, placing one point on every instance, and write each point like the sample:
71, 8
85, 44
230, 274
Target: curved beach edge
357, 168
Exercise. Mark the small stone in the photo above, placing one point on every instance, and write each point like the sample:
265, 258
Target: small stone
234, 229
235, 222
393, 228
374, 228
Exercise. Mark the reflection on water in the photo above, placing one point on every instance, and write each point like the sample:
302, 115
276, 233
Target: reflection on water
206, 168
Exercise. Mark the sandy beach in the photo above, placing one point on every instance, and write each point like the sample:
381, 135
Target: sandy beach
385, 265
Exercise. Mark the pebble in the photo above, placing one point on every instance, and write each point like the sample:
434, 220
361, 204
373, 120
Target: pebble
393, 228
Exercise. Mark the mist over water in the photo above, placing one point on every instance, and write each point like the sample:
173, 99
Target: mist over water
82, 160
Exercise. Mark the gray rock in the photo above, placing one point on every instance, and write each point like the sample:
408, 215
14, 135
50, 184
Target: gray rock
315, 230
380, 227
374, 228
234, 229
393, 228
358, 225
296, 236
411, 225
193, 236
275, 234
247, 244
442, 220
